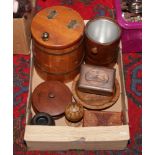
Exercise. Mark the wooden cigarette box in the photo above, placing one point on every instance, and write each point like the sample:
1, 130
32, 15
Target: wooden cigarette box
96, 79
63, 137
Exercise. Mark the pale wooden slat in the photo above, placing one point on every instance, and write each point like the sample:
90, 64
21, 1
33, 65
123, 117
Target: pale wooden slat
57, 146
64, 138
60, 133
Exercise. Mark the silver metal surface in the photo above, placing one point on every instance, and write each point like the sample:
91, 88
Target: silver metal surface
134, 6
134, 1
103, 31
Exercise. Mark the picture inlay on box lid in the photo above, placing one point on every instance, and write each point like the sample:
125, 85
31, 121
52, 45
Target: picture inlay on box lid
57, 27
51, 97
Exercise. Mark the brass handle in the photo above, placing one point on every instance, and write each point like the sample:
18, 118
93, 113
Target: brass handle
52, 14
72, 24
94, 50
45, 36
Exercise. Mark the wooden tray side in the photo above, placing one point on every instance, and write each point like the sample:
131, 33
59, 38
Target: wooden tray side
87, 138
122, 84
28, 106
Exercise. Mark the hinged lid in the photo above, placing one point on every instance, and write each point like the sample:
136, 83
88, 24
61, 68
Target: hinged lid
57, 27
98, 79
51, 97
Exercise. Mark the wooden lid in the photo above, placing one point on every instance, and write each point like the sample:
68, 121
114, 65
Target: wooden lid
57, 27
51, 97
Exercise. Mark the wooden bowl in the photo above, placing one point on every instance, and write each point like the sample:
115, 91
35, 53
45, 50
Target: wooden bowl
93, 101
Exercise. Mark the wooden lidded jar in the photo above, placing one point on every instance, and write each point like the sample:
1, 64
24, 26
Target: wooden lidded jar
58, 43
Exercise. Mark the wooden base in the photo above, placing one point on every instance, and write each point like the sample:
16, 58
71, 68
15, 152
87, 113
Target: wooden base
77, 124
109, 65
93, 101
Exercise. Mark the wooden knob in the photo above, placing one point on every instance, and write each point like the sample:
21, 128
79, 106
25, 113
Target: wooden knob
45, 36
51, 97
94, 51
74, 112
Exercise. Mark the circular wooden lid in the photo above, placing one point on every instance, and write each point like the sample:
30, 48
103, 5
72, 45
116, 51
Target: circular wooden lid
57, 27
51, 97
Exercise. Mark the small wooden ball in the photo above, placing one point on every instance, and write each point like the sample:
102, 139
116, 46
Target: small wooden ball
74, 112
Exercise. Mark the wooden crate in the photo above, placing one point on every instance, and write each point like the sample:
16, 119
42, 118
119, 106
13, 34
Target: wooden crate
62, 137
22, 32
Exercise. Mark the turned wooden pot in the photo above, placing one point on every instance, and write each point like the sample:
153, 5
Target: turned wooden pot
58, 43
102, 37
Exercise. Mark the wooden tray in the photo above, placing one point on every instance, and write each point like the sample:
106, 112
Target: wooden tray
62, 137
93, 101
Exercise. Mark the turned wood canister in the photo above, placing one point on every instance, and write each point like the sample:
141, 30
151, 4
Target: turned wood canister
102, 37
58, 43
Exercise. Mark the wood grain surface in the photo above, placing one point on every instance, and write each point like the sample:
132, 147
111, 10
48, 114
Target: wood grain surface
102, 118
59, 56
51, 97
60, 35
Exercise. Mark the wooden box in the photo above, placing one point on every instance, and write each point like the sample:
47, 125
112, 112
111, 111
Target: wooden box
22, 32
101, 84
62, 137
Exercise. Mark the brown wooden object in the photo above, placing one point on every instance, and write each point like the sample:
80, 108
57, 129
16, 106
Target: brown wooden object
94, 101
96, 79
102, 37
102, 118
58, 43
51, 97
74, 112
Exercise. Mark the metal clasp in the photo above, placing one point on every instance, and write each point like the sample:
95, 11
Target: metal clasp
45, 36
52, 14
72, 24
